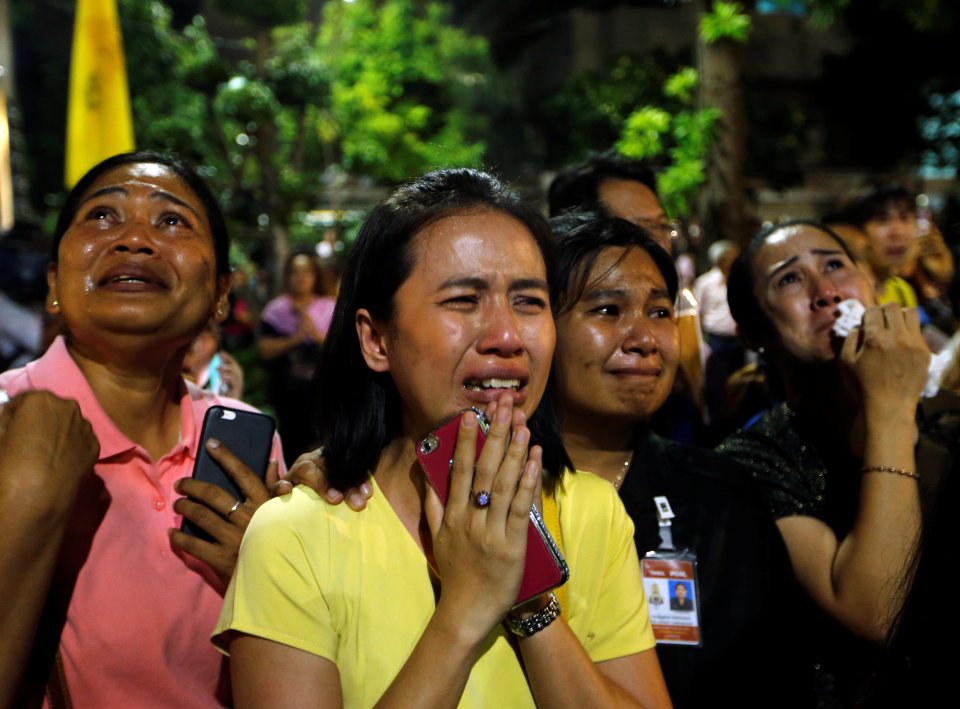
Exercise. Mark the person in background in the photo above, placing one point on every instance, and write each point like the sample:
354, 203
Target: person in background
725, 352
209, 366
24, 331
835, 461
316, 583
686, 269
238, 332
21, 333
612, 184
930, 269
292, 329
931, 262
908, 256
887, 214
138, 267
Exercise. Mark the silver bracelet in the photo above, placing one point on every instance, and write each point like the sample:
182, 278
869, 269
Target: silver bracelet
536, 622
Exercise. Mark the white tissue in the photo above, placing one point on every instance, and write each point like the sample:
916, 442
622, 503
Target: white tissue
938, 365
851, 316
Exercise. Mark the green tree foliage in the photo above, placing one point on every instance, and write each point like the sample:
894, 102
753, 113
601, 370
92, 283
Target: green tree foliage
725, 20
646, 108
589, 111
380, 89
405, 87
676, 135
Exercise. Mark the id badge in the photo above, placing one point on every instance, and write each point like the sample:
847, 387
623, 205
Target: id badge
673, 596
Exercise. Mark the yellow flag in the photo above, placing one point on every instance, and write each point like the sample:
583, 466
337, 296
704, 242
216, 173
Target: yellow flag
98, 116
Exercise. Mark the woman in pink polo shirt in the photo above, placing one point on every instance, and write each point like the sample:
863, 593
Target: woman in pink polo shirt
139, 266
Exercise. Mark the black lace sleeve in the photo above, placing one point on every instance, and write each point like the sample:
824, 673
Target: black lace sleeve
789, 473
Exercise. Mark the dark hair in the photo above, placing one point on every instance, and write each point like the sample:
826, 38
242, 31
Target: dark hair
581, 236
874, 201
359, 410
218, 227
577, 187
744, 306
318, 279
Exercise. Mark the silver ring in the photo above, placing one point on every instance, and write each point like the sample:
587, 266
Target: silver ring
482, 499
233, 509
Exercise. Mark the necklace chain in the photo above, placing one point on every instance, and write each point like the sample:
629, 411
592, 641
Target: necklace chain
623, 471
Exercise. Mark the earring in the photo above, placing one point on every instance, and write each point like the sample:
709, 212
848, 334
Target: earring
56, 303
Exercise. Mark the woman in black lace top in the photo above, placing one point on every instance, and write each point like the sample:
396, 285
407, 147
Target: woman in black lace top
836, 460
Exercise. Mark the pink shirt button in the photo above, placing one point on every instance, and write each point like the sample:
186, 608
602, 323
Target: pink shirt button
159, 503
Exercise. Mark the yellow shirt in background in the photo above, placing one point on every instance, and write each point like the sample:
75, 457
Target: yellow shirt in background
897, 290
354, 587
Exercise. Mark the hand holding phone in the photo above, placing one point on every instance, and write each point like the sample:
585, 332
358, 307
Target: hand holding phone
248, 436
544, 566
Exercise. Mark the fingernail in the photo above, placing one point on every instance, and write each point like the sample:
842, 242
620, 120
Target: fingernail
177, 484
521, 435
213, 443
357, 500
470, 420
366, 489
503, 415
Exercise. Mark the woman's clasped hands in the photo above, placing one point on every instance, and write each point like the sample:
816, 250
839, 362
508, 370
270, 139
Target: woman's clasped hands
479, 538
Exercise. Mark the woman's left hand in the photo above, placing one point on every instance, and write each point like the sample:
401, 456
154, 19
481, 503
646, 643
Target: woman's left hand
216, 511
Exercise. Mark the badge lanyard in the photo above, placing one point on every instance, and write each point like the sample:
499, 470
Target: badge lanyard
670, 582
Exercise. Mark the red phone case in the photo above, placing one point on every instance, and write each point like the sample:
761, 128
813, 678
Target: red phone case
544, 568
